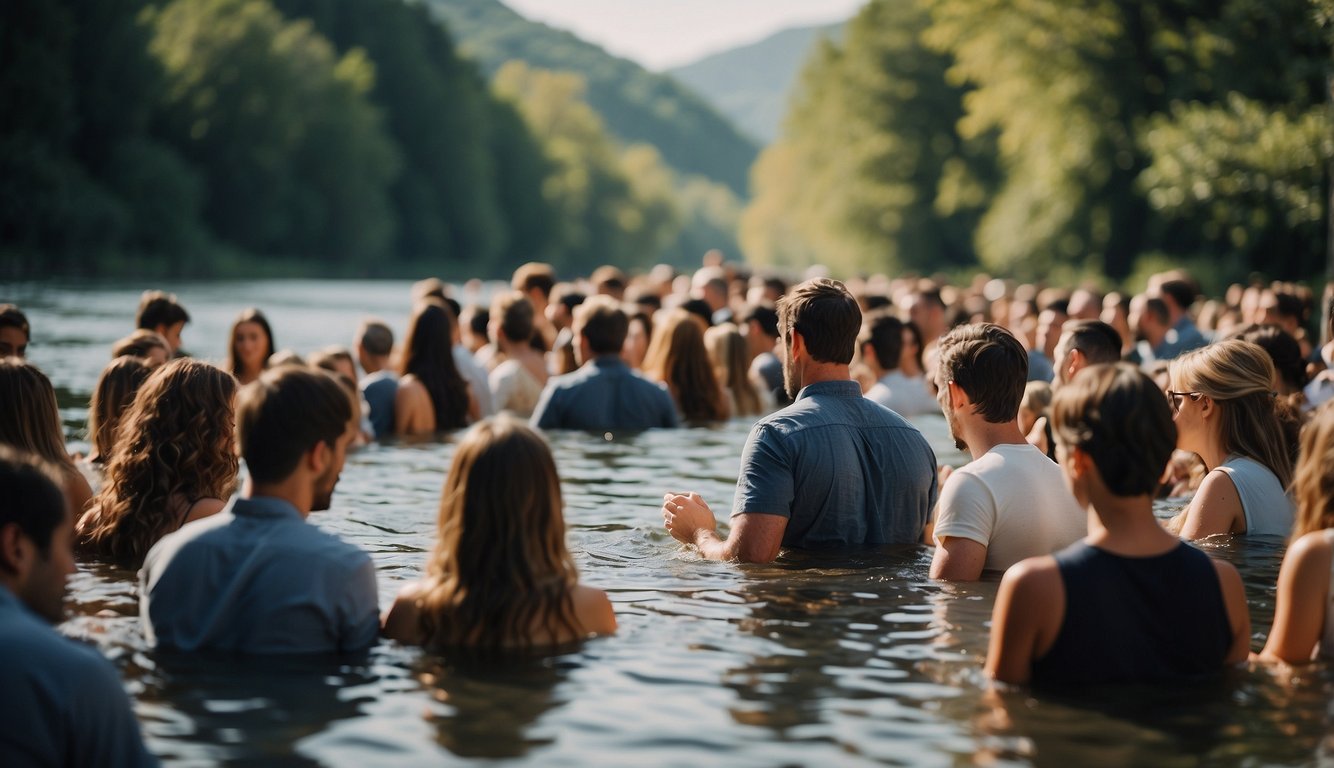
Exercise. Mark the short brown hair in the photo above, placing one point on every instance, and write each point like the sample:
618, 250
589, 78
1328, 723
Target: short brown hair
158, 308
284, 413
827, 317
1098, 341
990, 365
1119, 417
601, 320
532, 275
515, 313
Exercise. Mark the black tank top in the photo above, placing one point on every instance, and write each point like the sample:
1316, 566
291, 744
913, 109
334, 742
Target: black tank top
1136, 619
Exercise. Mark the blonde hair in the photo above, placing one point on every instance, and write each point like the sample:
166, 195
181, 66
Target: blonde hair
29, 415
727, 349
1313, 481
500, 573
1239, 376
676, 357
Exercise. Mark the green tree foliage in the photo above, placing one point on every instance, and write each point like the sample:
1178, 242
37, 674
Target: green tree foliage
636, 106
294, 158
870, 172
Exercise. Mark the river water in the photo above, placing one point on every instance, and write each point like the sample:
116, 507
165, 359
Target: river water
854, 660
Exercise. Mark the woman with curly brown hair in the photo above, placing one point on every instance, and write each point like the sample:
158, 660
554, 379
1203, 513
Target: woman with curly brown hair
30, 421
676, 357
173, 461
500, 576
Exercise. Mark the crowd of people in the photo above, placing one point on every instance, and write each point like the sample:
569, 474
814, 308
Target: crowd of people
1077, 411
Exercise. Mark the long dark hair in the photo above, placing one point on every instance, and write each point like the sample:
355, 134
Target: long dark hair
250, 315
428, 354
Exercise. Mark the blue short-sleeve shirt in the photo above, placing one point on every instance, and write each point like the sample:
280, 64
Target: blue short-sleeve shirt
843, 470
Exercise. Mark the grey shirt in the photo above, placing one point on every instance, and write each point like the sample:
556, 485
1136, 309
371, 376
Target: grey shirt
61, 703
604, 394
844, 471
257, 578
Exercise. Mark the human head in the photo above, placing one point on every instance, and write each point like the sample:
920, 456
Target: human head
1283, 350
926, 308
1149, 317
610, 281
251, 343
29, 415
560, 309
601, 324
159, 311
428, 355
336, 360
1313, 480
14, 331
882, 337
176, 441
147, 345
731, 363
676, 357
500, 563
535, 281
115, 390
286, 414
989, 364
430, 288
1116, 416
35, 533
1034, 404
1179, 296
1084, 343
827, 318
512, 317
1237, 378
375, 342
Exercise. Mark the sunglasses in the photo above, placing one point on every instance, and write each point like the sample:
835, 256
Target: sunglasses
1177, 397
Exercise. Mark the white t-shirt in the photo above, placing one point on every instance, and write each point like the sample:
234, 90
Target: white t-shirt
908, 396
1014, 501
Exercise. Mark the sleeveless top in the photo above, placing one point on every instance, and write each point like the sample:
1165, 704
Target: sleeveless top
1136, 619
1268, 509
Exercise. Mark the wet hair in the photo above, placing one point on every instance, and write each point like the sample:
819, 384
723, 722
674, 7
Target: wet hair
1283, 350
29, 415
499, 570
140, 344
159, 309
249, 315
115, 391
532, 275
428, 354
1119, 417
174, 444
12, 317
989, 364
515, 312
676, 356
1313, 480
34, 501
1239, 377
601, 320
883, 332
727, 350
826, 316
285, 413
376, 338
1096, 340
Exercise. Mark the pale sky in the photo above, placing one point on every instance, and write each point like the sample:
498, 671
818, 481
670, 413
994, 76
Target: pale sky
664, 33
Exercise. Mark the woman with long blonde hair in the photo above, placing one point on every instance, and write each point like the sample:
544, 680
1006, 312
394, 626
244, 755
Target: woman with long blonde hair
727, 350
30, 422
500, 576
173, 461
1303, 624
676, 357
1224, 403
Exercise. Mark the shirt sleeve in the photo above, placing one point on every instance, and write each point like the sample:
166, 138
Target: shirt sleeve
105, 731
361, 611
967, 510
765, 483
546, 415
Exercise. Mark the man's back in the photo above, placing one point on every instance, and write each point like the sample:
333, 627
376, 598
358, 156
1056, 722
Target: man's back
843, 469
257, 578
379, 389
1013, 501
604, 394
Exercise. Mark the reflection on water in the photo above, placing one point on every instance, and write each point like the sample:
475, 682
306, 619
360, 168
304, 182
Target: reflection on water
839, 660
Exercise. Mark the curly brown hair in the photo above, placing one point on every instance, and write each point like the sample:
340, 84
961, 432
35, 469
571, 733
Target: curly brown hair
174, 446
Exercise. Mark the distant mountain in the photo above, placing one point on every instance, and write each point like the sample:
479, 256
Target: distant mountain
635, 104
751, 84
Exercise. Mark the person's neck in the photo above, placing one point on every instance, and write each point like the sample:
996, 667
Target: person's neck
818, 373
1155, 336
1213, 455
294, 490
981, 435
375, 364
1125, 525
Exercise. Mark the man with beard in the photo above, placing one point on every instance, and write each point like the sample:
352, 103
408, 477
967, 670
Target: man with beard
256, 578
1010, 502
832, 470
61, 703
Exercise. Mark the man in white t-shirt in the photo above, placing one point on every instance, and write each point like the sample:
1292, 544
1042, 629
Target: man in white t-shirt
1011, 501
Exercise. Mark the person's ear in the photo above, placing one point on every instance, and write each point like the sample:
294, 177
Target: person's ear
957, 397
795, 342
16, 550
318, 457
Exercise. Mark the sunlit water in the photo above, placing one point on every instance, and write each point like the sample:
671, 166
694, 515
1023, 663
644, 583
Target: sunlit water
859, 659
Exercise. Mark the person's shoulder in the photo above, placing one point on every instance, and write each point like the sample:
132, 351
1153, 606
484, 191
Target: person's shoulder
1035, 574
194, 535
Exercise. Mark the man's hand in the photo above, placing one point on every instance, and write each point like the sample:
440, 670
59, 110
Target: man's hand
686, 515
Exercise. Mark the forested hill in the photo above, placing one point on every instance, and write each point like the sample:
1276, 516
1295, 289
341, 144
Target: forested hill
635, 104
750, 84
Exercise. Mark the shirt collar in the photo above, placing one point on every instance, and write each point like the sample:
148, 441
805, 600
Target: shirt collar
611, 360
836, 388
264, 507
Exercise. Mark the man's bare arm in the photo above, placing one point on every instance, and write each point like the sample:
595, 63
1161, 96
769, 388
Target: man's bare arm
754, 537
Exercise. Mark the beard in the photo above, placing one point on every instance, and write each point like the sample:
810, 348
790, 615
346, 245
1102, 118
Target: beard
324, 488
954, 432
791, 379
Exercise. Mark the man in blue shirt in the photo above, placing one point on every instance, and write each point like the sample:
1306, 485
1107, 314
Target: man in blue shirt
256, 577
375, 343
604, 394
61, 703
831, 470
